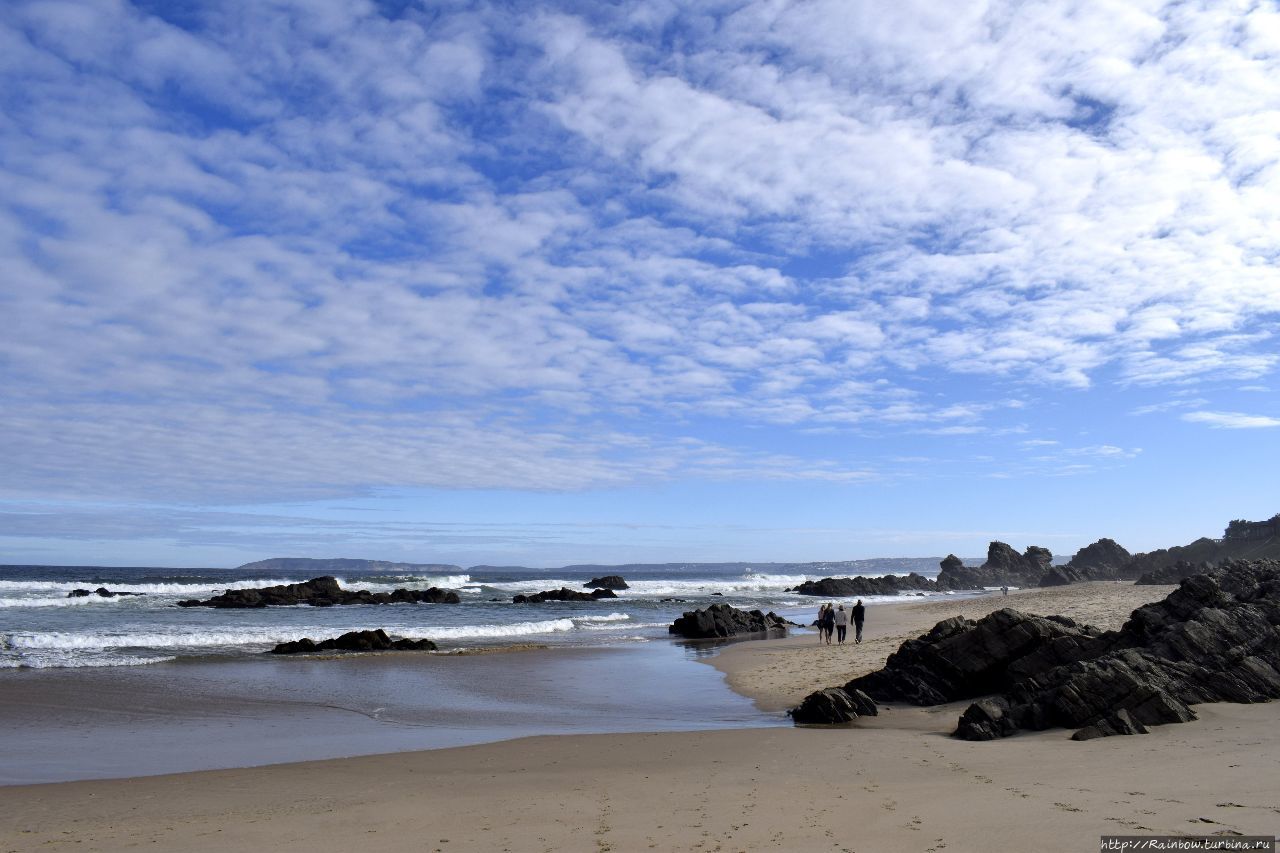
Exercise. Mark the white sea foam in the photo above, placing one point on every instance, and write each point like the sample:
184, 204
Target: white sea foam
63, 661
241, 637
173, 588
60, 602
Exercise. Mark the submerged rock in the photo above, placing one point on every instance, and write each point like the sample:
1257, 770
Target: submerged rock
721, 620
101, 592
321, 592
563, 594
355, 641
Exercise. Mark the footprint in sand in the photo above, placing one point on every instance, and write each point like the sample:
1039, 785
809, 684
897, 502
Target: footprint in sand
1067, 808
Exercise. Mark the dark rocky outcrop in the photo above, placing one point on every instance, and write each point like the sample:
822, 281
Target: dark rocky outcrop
1215, 638
850, 587
321, 592
355, 641
832, 706
101, 592
607, 582
563, 594
1103, 560
721, 620
1003, 567
1176, 573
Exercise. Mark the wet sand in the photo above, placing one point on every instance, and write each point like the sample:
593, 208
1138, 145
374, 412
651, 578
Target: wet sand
893, 783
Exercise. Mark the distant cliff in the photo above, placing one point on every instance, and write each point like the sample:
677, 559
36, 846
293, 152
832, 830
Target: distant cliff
338, 565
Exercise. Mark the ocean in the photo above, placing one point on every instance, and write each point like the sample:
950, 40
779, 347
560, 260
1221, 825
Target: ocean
95, 687
41, 627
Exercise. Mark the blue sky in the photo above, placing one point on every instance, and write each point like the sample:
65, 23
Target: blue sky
548, 283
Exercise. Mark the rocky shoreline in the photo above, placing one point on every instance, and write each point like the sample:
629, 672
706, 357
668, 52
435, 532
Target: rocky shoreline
1214, 639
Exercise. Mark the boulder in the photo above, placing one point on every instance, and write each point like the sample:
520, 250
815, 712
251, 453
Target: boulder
607, 582
321, 592
832, 706
721, 620
563, 594
864, 586
355, 641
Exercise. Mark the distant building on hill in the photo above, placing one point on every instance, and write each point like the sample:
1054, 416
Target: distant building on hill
1240, 529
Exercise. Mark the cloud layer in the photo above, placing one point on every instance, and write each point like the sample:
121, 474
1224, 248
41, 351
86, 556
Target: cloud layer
282, 250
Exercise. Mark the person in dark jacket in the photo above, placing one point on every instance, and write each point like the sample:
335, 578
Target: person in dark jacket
829, 622
859, 613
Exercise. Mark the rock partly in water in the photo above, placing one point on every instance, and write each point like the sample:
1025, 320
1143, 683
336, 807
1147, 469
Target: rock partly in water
607, 582
721, 620
563, 594
321, 592
355, 641
101, 592
860, 586
1214, 639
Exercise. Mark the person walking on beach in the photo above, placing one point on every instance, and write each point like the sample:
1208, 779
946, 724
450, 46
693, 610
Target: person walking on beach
829, 622
859, 613
822, 624
842, 624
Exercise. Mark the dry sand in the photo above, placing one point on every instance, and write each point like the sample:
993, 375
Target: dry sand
893, 783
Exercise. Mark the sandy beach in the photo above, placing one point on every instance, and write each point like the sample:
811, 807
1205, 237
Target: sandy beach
893, 783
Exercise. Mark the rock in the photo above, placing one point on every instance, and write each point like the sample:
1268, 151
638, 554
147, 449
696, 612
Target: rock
563, 594
1004, 567
1062, 576
833, 705
321, 592
607, 582
962, 659
986, 719
1103, 560
355, 641
1214, 639
1175, 573
721, 620
101, 592
864, 586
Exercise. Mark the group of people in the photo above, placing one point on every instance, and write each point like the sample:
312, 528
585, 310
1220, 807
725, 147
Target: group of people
835, 620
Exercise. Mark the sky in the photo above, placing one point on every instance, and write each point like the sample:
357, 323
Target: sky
550, 283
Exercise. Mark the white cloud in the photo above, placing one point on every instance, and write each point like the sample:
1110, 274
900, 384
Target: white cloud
1231, 420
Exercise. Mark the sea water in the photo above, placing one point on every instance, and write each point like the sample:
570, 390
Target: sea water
41, 627
94, 687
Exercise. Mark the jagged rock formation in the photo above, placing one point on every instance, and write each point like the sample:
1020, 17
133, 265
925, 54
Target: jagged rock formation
850, 587
607, 582
1004, 567
321, 592
721, 620
1216, 638
101, 592
563, 594
1175, 573
355, 641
